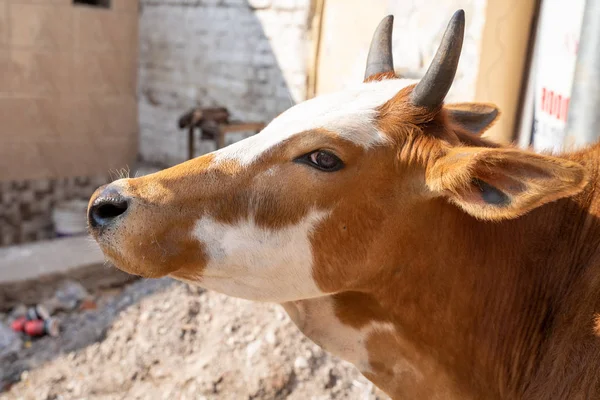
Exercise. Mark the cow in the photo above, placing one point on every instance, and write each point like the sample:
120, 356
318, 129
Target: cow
441, 264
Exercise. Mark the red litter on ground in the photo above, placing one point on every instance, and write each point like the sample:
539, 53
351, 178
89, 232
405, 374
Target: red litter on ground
40, 327
37, 312
18, 325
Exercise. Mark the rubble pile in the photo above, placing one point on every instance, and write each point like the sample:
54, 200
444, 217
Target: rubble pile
163, 339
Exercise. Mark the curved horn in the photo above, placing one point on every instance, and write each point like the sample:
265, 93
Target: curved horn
433, 88
380, 53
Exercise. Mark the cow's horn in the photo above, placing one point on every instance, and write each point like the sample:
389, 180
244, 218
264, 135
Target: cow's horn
380, 58
433, 88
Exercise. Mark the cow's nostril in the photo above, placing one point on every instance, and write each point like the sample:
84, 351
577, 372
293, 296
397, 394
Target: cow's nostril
107, 207
111, 210
106, 210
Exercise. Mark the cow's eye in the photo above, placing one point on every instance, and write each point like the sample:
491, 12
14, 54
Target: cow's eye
322, 160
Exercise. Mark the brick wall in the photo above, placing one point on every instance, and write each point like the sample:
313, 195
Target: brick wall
247, 55
26, 206
67, 106
251, 57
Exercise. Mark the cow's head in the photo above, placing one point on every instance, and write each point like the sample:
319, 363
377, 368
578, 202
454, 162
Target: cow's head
298, 209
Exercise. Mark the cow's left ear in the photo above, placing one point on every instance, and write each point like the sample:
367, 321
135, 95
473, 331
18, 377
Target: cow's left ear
500, 183
475, 118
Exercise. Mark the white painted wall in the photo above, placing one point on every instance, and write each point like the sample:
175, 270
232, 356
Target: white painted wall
251, 56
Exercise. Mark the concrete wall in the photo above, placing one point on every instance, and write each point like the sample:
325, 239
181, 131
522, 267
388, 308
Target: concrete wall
67, 88
348, 26
246, 55
251, 56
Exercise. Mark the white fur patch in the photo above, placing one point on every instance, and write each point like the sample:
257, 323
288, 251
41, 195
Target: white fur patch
247, 261
349, 113
316, 319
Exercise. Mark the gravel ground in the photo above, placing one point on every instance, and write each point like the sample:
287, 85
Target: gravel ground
160, 339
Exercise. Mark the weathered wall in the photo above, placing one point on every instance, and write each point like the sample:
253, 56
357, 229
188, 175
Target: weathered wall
418, 28
68, 109
26, 206
67, 88
251, 56
246, 55
502, 61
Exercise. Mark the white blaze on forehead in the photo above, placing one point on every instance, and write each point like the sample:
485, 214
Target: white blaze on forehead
350, 113
254, 263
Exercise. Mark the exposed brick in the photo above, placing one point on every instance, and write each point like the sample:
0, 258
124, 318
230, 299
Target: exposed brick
232, 53
235, 3
259, 4
251, 57
26, 206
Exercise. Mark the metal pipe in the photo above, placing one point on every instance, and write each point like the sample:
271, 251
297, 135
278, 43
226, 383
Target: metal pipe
583, 121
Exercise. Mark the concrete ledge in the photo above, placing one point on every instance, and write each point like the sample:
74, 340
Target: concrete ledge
31, 260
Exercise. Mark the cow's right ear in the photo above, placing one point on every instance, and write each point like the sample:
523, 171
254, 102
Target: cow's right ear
499, 183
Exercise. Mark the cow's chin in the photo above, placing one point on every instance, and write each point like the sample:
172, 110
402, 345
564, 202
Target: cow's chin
132, 265
134, 268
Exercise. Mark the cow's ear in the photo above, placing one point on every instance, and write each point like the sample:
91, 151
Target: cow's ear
475, 118
500, 183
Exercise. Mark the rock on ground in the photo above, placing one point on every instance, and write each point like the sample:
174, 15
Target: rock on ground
10, 343
165, 340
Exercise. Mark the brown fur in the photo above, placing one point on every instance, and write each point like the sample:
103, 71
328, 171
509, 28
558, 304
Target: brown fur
381, 76
486, 301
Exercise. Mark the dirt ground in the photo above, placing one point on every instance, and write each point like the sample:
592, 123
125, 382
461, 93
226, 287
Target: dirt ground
161, 339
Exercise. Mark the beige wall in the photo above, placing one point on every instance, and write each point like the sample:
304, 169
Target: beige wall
503, 55
347, 27
67, 88
492, 60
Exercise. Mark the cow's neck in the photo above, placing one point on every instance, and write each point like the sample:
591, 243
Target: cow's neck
469, 309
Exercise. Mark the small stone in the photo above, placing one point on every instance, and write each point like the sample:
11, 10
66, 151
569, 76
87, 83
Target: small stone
144, 316
159, 372
18, 311
300, 363
253, 348
271, 338
256, 331
231, 328
88, 305
70, 294
10, 342
281, 315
